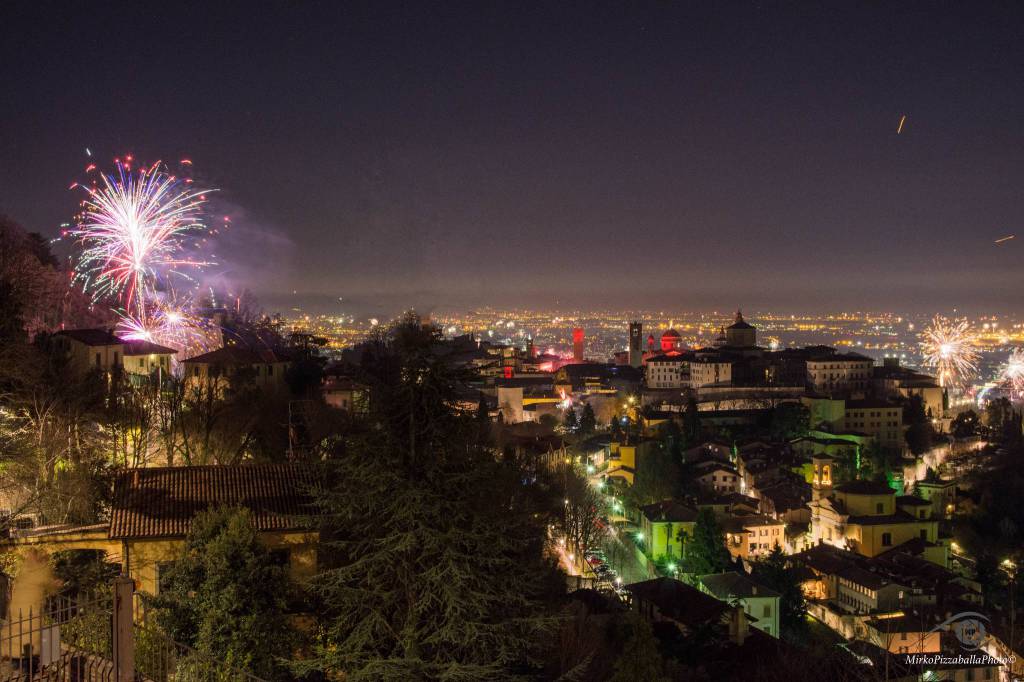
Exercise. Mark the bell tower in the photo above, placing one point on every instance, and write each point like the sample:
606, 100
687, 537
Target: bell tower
821, 484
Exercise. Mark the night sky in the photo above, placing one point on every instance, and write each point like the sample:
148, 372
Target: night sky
446, 155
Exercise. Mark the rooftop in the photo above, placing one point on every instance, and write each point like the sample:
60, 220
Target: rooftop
236, 355
669, 511
161, 502
731, 584
91, 337
133, 348
864, 487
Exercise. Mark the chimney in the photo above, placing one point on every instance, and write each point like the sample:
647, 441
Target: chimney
738, 626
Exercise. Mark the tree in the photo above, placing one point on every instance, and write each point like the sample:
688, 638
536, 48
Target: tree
789, 421
640, 660
615, 430
581, 510
919, 434
569, 422
774, 572
225, 597
706, 552
433, 547
588, 420
965, 424
658, 477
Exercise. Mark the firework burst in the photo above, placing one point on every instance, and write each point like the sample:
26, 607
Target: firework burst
1013, 372
947, 346
133, 230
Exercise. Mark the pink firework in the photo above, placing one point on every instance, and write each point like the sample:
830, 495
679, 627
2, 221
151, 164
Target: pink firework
133, 230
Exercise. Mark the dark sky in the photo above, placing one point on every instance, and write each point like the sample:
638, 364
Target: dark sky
694, 155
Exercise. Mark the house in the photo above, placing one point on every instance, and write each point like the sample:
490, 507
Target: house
940, 493
144, 358
721, 478
90, 348
758, 601
222, 369
754, 536
152, 511
728, 647
100, 349
344, 393
664, 525
868, 518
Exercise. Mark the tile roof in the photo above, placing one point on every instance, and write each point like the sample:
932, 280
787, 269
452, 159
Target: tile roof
236, 355
161, 502
679, 601
133, 348
865, 487
669, 511
731, 584
91, 337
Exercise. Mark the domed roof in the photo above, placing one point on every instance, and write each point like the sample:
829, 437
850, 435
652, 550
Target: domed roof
739, 323
671, 334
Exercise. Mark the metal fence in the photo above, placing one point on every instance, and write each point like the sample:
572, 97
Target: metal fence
101, 638
67, 639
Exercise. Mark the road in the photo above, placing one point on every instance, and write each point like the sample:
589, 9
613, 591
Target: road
623, 556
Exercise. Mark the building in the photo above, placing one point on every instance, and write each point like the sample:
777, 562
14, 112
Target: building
739, 334
143, 358
839, 373
880, 419
940, 493
893, 381
222, 370
754, 536
636, 344
868, 518
664, 526
710, 371
100, 349
730, 648
152, 511
577, 344
671, 341
667, 371
717, 477
758, 601
344, 393
90, 349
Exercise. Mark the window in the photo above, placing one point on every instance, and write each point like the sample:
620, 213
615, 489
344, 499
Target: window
924, 533
879, 507
142, 362
280, 557
270, 370
98, 363
886, 539
767, 612
116, 358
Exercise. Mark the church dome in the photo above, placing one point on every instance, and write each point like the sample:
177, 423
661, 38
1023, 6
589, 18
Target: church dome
671, 340
740, 323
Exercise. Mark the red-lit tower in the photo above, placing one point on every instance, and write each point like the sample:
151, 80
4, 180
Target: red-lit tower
577, 344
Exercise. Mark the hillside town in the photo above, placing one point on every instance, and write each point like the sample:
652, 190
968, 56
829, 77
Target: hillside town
760, 502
